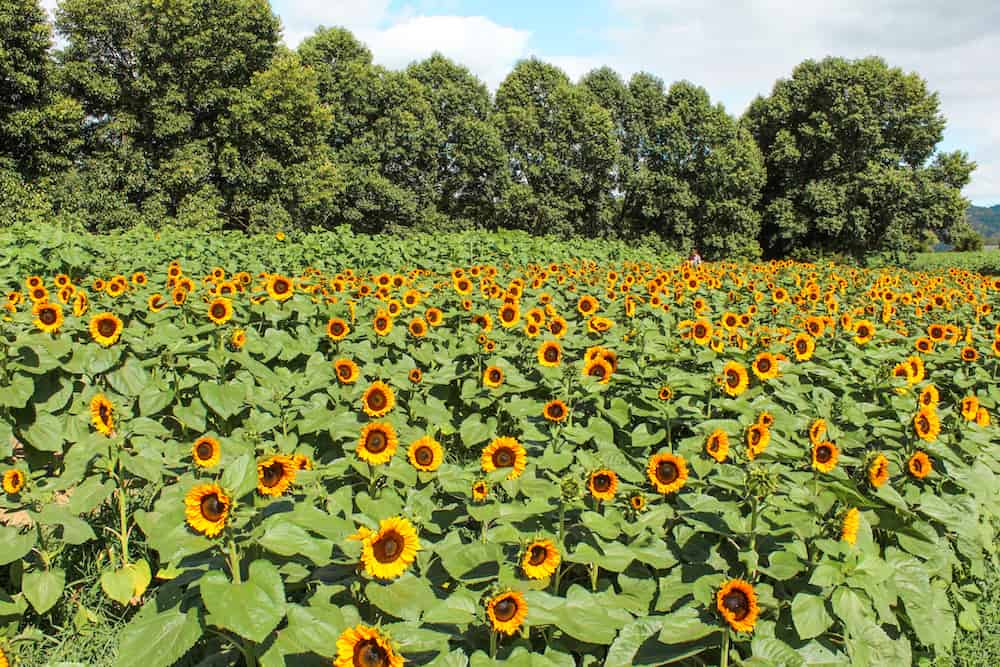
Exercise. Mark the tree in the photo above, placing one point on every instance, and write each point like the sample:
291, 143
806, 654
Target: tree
849, 147
561, 145
472, 166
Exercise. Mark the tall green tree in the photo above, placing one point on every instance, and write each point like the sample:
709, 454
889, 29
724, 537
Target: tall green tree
472, 167
562, 146
849, 147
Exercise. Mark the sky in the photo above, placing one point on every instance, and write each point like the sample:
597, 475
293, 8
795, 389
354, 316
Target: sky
735, 49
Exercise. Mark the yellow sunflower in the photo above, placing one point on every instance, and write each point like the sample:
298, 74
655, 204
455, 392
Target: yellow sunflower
982, 417
506, 612
480, 491
717, 445
337, 329
346, 370
238, 339
377, 443
864, 332
105, 328
425, 454
603, 484
555, 411
220, 310
970, 407
824, 456
737, 602
540, 560
758, 438
804, 345
599, 368
156, 303
919, 465
378, 400
275, 474
493, 377
927, 424
418, 327
387, 553
765, 366
364, 646
280, 288
504, 453
817, 430
849, 527
206, 507
929, 397
550, 354
13, 481
735, 378
637, 502
206, 451
102, 414
878, 471
48, 316
667, 472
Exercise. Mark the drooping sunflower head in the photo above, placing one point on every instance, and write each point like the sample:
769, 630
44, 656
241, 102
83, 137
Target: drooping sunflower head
555, 411
817, 430
377, 443
337, 329
13, 481
550, 354
735, 378
206, 451
717, 445
387, 553
346, 370
364, 646
506, 612
206, 508
667, 472
849, 526
378, 400
927, 424
425, 454
502, 453
737, 602
758, 438
493, 377
878, 471
238, 339
105, 328
603, 484
102, 414
970, 406
982, 417
541, 559
824, 456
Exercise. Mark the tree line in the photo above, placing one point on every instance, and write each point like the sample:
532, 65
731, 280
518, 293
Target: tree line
192, 112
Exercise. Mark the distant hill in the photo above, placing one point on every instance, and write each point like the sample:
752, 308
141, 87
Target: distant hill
985, 220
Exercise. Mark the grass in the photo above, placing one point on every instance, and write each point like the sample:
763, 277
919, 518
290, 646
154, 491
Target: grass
980, 648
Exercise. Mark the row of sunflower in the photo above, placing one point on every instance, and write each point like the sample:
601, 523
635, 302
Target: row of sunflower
519, 462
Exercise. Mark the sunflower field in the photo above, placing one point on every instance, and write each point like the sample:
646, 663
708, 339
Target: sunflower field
479, 449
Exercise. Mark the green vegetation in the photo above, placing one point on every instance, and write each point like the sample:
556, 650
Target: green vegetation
191, 112
986, 221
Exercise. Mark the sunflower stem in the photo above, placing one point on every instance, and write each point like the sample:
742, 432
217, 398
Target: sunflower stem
594, 572
562, 535
724, 657
493, 644
234, 566
123, 518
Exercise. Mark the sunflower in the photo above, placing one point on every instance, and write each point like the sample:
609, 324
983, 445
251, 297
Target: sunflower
737, 602
667, 472
864, 332
39, 294
302, 462
48, 316
179, 296
206, 507
878, 471
504, 453
927, 424
540, 560
587, 305
425, 454
919, 465
418, 327
220, 310
105, 328
346, 370
924, 345
280, 288
480, 491
507, 612
758, 438
377, 443
599, 324
378, 400
156, 303
493, 377
509, 315
550, 354
363, 646
701, 332
969, 354
735, 378
238, 339
717, 445
387, 553
337, 329
603, 484
817, 430
666, 393
849, 527
824, 456
382, 323
13, 481
557, 326
102, 414
555, 411
765, 366
275, 474
929, 397
982, 417
804, 345
970, 406
206, 451
415, 375
599, 368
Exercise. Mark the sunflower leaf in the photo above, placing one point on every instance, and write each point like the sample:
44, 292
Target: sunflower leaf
253, 608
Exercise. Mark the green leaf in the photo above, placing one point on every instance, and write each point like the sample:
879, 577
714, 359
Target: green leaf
15, 545
118, 585
287, 539
158, 640
810, 616
224, 400
46, 434
43, 588
684, 625
404, 598
17, 393
253, 608
240, 476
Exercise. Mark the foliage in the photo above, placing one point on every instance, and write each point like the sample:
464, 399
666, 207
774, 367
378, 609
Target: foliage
986, 262
986, 221
651, 360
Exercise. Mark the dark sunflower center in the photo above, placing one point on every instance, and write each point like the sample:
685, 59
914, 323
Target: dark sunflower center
666, 472
598, 371
47, 316
418, 327
212, 508
824, 453
555, 411
280, 286
376, 442
344, 371
106, 327
388, 547
863, 332
732, 378
39, 293
424, 455
369, 654
204, 450
555, 327
737, 603
218, 311
699, 331
551, 354
764, 365
507, 315
503, 457
713, 445
505, 609
801, 346
104, 413
923, 424
754, 438
495, 375
337, 328
377, 400
538, 554
381, 323
272, 474
637, 502
918, 465
602, 482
